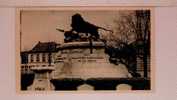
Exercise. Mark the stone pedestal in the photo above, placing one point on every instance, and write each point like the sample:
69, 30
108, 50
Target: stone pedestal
74, 60
77, 60
42, 78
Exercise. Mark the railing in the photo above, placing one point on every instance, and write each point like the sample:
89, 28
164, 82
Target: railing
29, 68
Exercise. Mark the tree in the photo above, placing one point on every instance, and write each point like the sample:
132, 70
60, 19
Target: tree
131, 35
143, 34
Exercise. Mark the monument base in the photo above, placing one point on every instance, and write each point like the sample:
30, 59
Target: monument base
102, 83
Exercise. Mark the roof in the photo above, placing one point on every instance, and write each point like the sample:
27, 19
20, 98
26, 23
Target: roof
45, 47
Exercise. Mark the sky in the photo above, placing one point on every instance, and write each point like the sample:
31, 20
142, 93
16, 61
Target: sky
41, 25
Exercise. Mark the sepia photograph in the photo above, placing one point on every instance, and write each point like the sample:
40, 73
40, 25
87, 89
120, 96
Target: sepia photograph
85, 50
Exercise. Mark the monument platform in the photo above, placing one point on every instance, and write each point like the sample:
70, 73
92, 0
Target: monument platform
74, 60
76, 65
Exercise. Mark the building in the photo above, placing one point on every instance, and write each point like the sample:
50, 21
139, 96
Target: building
39, 58
142, 58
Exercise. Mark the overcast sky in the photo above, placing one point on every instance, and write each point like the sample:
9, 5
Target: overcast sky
41, 25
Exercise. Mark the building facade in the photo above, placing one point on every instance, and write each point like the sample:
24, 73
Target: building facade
37, 64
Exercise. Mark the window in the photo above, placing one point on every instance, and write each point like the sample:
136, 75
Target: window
32, 59
43, 57
37, 58
49, 58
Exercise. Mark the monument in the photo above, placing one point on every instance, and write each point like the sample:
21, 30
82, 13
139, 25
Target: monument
81, 61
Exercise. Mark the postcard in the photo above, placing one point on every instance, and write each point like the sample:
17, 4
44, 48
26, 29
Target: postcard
85, 49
